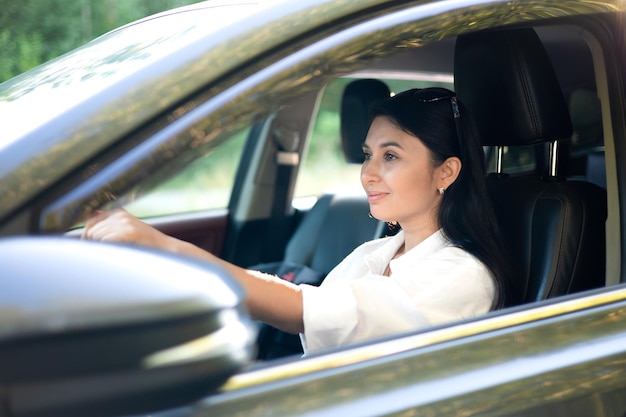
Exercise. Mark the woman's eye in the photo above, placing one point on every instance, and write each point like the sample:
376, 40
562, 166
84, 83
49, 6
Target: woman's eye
367, 156
390, 156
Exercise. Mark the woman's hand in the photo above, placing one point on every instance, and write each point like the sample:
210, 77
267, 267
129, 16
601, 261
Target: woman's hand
120, 226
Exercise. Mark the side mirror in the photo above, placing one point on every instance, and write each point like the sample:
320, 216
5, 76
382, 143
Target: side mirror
95, 329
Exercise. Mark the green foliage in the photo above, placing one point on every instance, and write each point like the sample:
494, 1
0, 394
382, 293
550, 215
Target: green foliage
23, 52
35, 31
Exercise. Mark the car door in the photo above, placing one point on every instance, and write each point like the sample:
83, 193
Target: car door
552, 364
563, 355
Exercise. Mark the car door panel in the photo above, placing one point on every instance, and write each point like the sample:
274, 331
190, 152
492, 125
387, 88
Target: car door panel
205, 230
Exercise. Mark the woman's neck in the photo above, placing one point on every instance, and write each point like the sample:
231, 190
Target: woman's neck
415, 236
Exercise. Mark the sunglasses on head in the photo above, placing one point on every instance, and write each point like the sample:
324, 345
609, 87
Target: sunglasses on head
434, 94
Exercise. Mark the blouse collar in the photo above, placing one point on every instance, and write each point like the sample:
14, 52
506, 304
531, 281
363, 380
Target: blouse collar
378, 260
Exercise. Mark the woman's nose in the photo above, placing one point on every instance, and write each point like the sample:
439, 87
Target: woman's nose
369, 171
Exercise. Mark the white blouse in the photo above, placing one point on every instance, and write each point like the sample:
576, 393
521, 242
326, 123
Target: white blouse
430, 284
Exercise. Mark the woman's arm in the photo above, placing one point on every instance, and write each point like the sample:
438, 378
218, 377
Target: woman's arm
268, 298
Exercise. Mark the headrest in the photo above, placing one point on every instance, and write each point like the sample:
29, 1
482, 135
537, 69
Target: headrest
506, 79
357, 99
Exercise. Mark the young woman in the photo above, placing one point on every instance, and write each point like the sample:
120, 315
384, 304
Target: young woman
423, 170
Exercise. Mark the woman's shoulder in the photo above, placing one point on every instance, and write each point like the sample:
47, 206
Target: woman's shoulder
464, 264
445, 249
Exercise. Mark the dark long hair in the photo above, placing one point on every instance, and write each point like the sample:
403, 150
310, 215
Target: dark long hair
444, 125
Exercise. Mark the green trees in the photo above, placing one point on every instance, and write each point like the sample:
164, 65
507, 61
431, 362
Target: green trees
36, 31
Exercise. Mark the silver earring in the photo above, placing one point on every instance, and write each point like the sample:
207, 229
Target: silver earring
441, 191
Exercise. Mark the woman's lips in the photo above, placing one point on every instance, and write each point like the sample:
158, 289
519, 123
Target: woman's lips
375, 196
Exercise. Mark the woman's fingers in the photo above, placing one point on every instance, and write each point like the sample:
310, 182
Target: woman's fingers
120, 226
115, 225
93, 219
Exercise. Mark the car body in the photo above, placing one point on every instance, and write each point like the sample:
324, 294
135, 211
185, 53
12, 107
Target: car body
112, 120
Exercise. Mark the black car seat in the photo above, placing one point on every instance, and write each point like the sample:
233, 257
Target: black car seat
335, 225
556, 227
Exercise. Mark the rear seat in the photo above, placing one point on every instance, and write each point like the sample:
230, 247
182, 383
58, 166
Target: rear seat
588, 139
336, 224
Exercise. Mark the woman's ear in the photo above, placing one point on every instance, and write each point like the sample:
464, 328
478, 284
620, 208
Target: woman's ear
450, 170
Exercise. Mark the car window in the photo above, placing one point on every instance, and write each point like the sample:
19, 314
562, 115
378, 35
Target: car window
324, 168
203, 185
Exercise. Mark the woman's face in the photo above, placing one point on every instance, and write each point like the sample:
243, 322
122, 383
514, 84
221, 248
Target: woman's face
399, 177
